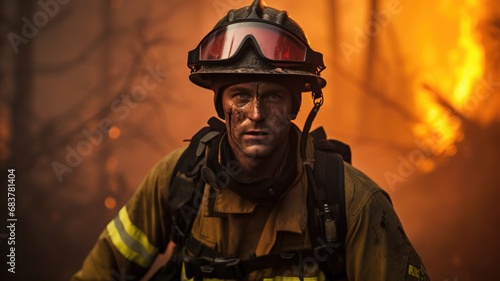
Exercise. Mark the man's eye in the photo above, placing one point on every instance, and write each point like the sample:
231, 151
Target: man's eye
273, 97
241, 96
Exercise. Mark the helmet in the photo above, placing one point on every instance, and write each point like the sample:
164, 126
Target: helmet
255, 41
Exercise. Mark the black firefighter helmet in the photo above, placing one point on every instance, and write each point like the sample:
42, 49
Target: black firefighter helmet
260, 42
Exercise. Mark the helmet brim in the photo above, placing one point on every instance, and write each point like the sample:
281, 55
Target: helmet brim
204, 76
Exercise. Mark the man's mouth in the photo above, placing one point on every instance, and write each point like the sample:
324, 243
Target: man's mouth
257, 134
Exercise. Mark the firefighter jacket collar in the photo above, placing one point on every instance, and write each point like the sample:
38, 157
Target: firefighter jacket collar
286, 217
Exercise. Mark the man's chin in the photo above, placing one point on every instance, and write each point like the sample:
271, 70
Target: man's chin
257, 152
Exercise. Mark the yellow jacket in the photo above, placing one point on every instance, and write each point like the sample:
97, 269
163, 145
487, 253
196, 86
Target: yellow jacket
376, 245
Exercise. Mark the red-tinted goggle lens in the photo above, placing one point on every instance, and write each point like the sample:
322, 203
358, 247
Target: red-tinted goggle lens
273, 42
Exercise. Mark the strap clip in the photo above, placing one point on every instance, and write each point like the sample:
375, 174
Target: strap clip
228, 268
287, 255
231, 264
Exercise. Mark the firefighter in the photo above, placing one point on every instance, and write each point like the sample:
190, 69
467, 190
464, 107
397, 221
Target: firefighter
239, 202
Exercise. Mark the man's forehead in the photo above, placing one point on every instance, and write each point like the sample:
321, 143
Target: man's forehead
258, 86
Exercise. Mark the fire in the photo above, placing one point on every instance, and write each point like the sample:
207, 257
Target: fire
472, 63
452, 73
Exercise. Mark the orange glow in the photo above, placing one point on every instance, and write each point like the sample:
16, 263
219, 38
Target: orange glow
470, 54
114, 132
111, 165
428, 166
116, 4
452, 75
110, 202
113, 184
450, 150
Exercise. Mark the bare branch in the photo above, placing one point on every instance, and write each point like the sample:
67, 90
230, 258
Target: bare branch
80, 58
439, 97
376, 94
63, 140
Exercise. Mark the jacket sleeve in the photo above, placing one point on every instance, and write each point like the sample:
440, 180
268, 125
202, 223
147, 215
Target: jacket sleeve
131, 241
377, 247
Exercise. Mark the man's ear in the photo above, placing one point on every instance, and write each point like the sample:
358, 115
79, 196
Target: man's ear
218, 102
296, 102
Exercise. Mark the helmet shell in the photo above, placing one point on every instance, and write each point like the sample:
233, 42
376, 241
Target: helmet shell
248, 62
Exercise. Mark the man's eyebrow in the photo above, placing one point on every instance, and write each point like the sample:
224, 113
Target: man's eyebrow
238, 89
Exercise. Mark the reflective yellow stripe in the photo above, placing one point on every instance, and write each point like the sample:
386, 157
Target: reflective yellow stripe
122, 247
321, 277
276, 278
184, 278
136, 233
130, 241
289, 278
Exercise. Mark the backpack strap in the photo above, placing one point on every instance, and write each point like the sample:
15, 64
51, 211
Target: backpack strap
185, 193
186, 188
330, 145
208, 263
326, 204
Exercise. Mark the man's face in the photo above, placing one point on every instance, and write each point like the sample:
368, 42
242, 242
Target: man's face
258, 117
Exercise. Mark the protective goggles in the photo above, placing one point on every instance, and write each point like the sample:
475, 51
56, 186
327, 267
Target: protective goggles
272, 42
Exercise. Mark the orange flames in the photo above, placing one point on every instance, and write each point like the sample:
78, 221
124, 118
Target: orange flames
451, 75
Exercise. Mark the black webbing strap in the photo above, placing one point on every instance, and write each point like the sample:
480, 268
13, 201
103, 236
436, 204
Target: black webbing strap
330, 145
235, 268
209, 263
182, 200
329, 171
198, 249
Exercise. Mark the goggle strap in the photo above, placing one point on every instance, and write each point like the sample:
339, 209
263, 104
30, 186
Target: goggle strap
317, 93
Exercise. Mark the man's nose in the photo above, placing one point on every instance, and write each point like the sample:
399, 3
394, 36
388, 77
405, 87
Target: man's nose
256, 111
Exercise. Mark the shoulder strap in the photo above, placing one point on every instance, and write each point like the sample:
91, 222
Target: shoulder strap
186, 189
185, 192
331, 145
326, 203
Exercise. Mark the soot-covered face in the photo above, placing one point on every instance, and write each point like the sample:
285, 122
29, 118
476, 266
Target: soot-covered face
258, 118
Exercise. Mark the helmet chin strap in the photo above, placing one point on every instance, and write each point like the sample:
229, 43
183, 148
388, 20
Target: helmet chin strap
317, 96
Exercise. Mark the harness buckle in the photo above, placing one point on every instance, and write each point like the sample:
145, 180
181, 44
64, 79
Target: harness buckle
287, 255
231, 264
207, 268
227, 268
